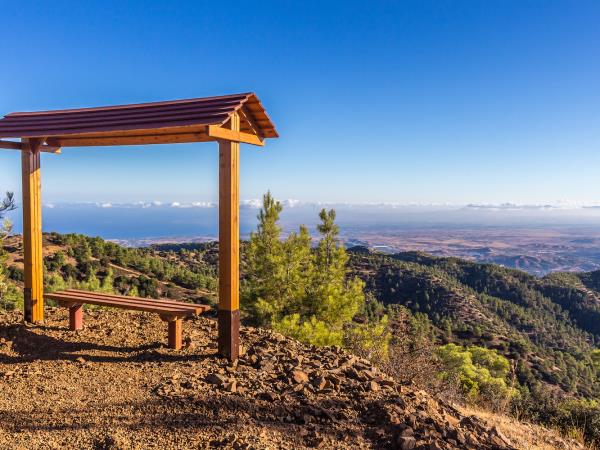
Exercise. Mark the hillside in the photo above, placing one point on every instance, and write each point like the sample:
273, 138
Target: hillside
546, 326
183, 274
114, 385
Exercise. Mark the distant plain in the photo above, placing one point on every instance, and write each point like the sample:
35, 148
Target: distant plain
536, 238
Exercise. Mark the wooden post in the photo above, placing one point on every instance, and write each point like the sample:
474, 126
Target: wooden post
76, 317
175, 333
32, 231
229, 245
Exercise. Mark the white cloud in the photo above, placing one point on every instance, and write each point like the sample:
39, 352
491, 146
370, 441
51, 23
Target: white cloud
254, 203
558, 205
203, 205
291, 203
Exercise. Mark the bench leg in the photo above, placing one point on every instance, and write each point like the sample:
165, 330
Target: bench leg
76, 317
175, 327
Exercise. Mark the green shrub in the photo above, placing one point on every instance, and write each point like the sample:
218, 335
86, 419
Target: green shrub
482, 373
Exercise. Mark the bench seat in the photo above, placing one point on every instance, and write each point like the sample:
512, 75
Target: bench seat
170, 311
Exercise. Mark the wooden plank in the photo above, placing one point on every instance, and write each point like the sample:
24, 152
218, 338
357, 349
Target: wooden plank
194, 306
70, 125
10, 145
166, 113
33, 291
119, 130
83, 298
229, 182
122, 300
129, 140
216, 101
164, 310
187, 129
221, 133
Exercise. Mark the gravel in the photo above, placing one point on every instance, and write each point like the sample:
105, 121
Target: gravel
115, 385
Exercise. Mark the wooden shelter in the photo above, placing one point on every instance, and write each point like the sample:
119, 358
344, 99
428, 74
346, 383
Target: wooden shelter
228, 120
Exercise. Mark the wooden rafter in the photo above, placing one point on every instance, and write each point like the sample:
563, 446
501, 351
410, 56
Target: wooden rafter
247, 117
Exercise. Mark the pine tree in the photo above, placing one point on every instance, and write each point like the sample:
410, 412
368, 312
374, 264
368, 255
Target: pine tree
304, 292
7, 204
261, 291
297, 265
337, 300
107, 282
331, 300
9, 295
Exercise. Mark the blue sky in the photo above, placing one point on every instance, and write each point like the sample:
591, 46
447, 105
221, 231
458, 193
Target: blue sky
413, 101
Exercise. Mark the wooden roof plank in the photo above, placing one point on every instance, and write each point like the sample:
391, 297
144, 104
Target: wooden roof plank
232, 97
117, 123
194, 111
142, 119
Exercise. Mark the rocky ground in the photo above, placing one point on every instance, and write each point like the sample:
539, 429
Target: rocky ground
114, 385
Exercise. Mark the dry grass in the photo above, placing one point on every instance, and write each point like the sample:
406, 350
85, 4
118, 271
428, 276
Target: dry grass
525, 435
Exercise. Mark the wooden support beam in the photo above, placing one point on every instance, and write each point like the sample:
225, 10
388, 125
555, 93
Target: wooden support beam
98, 141
32, 231
229, 245
11, 145
221, 133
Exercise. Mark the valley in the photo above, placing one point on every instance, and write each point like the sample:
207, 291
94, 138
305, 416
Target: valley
537, 250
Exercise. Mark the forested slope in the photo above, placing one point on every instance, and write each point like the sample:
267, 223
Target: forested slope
547, 327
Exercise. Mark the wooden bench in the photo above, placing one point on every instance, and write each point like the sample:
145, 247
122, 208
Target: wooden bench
170, 311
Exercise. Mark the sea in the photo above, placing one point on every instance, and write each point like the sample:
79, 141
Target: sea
140, 222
